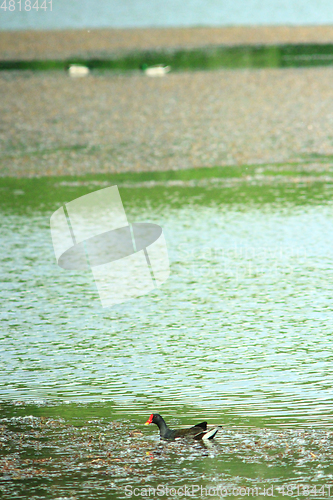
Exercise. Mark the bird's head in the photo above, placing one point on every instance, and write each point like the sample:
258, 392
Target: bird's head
153, 419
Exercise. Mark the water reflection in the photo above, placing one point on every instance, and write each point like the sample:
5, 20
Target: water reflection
71, 453
242, 327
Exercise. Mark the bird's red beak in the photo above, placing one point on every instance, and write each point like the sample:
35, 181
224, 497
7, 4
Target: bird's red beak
150, 419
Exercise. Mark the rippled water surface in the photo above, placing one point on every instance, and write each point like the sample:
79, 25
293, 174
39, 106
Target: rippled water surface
240, 334
243, 324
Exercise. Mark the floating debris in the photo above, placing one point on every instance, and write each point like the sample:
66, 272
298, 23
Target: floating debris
136, 432
50, 449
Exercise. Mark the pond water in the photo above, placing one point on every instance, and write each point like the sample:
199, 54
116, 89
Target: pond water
239, 335
61, 14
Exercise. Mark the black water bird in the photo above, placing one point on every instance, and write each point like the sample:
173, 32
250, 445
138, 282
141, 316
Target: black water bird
197, 432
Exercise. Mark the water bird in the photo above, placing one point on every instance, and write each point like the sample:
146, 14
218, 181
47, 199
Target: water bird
197, 432
77, 70
157, 70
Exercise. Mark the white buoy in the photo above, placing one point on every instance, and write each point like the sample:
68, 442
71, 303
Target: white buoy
78, 71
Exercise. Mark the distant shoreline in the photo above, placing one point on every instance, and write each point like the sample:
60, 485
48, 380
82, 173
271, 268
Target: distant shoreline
54, 125
63, 44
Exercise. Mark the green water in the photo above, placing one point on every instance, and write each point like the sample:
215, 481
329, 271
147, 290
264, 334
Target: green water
239, 335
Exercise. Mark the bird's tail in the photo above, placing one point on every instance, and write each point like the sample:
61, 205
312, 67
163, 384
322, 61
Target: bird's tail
209, 434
